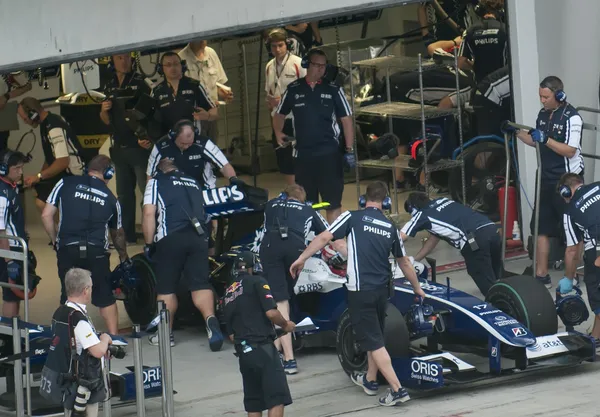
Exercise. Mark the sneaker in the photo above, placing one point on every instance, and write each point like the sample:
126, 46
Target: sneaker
545, 280
154, 339
392, 398
290, 367
360, 379
215, 337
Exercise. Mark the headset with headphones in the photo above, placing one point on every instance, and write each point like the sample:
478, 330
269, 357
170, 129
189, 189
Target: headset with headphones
32, 114
559, 94
386, 204
4, 164
107, 174
305, 63
176, 129
289, 43
563, 190
159, 66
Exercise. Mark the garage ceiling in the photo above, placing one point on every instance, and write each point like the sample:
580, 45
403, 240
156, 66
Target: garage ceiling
57, 34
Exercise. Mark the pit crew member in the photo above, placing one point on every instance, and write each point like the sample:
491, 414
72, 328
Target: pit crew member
250, 312
62, 150
558, 133
176, 236
316, 106
12, 223
288, 221
128, 151
462, 227
88, 211
204, 66
371, 238
72, 324
582, 227
484, 48
179, 97
282, 70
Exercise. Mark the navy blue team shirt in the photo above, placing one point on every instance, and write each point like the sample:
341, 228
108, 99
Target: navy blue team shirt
12, 218
371, 237
87, 210
448, 220
582, 217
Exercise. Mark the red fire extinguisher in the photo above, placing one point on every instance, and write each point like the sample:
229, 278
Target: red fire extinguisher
511, 215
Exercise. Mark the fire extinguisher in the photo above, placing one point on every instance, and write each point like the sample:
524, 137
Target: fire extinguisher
511, 215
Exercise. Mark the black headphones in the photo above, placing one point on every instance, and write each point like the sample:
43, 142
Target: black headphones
176, 129
4, 164
559, 94
107, 174
289, 43
32, 114
159, 66
306, 58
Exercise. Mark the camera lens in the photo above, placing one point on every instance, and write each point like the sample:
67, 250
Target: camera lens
117, 351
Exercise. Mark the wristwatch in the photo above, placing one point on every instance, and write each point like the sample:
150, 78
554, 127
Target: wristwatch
39, 175
350, 150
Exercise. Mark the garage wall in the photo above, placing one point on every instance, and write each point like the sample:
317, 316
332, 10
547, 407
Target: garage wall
543, 42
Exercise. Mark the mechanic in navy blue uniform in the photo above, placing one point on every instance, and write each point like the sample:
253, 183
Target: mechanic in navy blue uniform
88, 212
129, 144
317, 105
582, 227
61, 148
250, 312
12, 223
179, 97
371, 237
288, 222
484, 48
558, 132
176, 235
463, 228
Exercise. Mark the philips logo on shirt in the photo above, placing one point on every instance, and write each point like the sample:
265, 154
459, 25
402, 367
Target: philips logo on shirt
377, 231
588, 203
93, 199
444, 205
222, 195
186, 184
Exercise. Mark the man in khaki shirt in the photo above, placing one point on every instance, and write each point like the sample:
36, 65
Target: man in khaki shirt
204, 65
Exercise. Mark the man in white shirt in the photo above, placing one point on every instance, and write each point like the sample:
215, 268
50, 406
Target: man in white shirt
282, 70
204, 65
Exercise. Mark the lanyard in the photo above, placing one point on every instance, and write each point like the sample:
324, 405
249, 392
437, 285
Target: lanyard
277, 73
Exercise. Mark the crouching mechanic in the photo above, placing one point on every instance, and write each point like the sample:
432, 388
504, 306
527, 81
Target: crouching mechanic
178, 244
462, 227
582, 225
288, 221
371, 239
250, 312
88, 210
75, 377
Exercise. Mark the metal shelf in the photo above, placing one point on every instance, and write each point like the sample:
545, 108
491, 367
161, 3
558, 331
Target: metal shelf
404, 63
444, 164
404, 110
400, 162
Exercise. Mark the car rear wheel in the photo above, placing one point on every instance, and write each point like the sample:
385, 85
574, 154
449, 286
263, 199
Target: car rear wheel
353, 359
528, 301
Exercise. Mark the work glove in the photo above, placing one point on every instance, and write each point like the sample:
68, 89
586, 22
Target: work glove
127, 264
506, 128
538, 136
565, 285
149, 251
14, 270
350, 159
236, 181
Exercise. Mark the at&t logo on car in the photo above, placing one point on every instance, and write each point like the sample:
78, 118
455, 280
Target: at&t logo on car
425, 371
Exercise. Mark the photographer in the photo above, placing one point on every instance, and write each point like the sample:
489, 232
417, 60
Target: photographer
75, 378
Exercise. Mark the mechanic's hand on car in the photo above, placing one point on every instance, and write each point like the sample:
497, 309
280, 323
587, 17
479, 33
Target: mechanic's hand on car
419, 291
538, 136
565, 285
14, 270
296, 267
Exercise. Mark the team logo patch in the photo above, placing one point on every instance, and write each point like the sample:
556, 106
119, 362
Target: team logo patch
266, 287
268, 296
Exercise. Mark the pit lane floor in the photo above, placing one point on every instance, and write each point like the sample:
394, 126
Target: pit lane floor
209, 384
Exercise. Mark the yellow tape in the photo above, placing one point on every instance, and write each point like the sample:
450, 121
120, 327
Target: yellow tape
92, 141
320, 206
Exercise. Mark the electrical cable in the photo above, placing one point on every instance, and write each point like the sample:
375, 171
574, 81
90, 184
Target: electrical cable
138, 62
28, 154
84, 85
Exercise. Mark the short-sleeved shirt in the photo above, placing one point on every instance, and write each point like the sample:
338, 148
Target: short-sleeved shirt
582, 217
170, 108
208, 71
87, 210
496, 86
564, 125
124, 97
279, 76
300, 218
448, 220
12, 217
316, 113
177, 198
371, 238
486, 44
59, 141
246, 303
192, 161
85, 333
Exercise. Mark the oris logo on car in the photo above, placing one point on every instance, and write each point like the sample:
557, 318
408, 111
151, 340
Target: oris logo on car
425, 371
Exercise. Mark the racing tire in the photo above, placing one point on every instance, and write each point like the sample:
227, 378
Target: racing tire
396, 337
528, 301
140, 304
